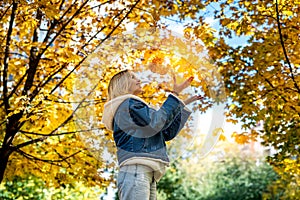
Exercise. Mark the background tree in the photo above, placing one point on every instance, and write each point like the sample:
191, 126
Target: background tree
262, 76
30, 188
174, 186
43, 42
35, 188
235, 172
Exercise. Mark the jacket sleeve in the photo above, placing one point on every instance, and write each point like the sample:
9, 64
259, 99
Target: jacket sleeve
142, 115
139, 120
171, 132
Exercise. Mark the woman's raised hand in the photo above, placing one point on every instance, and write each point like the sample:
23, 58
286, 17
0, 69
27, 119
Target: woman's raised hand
192, 99
177, 88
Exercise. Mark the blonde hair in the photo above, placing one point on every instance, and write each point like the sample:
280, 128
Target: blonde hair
119, 84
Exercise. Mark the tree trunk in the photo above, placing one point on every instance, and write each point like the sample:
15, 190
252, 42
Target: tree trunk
4, 156
7, 149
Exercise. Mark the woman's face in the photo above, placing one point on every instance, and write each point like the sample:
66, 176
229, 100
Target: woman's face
135, 85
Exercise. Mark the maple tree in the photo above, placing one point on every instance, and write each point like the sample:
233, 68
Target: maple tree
42, 44
44, 47
262, 77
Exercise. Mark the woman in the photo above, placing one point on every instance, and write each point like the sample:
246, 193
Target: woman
140, 133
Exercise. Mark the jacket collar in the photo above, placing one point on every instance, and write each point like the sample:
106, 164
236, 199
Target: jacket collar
111, 107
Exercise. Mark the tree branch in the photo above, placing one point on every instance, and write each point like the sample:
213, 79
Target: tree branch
273, 87
101, 4
111, 32
35, 92
30, 142
55, 22
78, 106
95, 35
57, 134
284, 49
63, 27
73, 102
48, 79
104, 39
4, 13
33, 57
15, 87
172, 20
55, 162
20, 55
6, 56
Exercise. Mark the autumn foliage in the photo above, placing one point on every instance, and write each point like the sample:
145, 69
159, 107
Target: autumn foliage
43, 46
261, 76
46, 48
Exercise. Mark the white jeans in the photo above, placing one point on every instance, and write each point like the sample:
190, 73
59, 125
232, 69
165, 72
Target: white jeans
136, 182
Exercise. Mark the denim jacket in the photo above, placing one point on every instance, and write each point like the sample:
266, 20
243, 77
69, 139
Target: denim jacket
141, 131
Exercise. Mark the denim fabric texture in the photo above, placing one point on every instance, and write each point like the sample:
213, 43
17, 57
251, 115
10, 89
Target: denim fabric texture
141, 131
136, 182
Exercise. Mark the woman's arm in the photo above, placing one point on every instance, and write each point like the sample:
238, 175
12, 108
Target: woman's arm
172, 131
138, 119
156, 119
